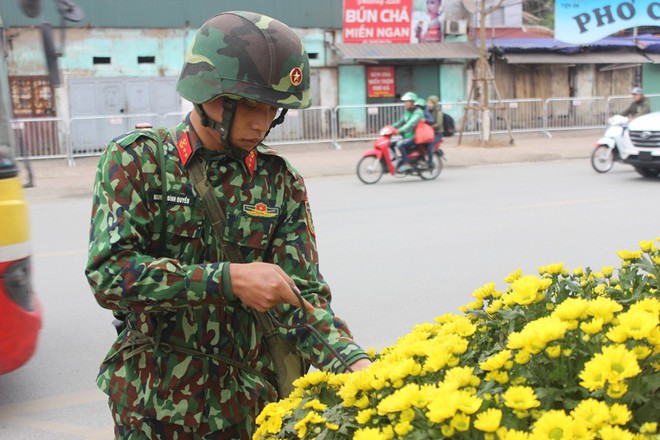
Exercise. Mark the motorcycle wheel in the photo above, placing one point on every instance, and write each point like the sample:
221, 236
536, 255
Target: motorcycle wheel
433, 173
602, 159
370, 169
648, 172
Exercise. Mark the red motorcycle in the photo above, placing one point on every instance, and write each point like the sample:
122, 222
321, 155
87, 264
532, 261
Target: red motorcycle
383, 158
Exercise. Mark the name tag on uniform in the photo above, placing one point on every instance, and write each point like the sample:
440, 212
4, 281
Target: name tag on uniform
172, 199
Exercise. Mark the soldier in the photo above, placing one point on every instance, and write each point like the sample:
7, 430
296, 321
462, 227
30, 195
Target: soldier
191, 361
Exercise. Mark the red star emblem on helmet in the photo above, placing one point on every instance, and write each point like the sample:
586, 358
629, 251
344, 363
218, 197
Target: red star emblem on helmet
296, 76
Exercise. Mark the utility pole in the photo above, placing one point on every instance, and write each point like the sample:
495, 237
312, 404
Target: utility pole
481, 81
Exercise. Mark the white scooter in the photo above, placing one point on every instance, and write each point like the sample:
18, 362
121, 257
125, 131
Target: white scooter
609, 148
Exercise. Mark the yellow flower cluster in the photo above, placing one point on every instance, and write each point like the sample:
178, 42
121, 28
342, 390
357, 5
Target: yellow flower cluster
563, 355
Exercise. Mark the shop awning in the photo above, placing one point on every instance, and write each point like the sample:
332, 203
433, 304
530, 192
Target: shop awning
420, 51
578, 58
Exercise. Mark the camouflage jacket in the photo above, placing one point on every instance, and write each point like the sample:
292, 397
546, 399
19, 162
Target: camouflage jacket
183, 315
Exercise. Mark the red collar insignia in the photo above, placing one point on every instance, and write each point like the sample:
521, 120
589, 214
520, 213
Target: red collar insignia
251, 162
185, 150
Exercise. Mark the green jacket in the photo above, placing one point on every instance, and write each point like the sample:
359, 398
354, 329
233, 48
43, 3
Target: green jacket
638, 108
407, 123
180, 303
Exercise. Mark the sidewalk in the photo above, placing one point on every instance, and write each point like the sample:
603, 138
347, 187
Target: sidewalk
53, 178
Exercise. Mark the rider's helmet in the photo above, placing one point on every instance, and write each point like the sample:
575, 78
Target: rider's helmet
637, 91
243, 55
409, 96
421, 103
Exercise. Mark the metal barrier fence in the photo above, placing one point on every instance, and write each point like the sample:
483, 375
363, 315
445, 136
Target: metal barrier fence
88, 135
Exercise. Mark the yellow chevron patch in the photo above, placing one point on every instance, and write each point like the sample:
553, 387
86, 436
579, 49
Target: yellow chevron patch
261, 210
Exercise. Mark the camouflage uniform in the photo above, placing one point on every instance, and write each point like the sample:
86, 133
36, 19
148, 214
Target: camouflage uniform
192, 357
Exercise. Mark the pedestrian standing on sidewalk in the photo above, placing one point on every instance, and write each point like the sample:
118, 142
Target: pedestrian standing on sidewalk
192, 361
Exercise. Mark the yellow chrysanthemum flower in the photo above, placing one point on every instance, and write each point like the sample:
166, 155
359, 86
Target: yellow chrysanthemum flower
511, 434
484, 292
371, 434
619, 414
494, 306
641, 352
537, 334
404, 398
616, 389
571, 309
497, 376
520, 398
592, 412
592, 327
614, 364
649, 428
629, 255
633, 324
461, 377
650, 305
460, 422
646, 246
604, 308
315, 405
496, 361
556, 425
513, 276
525, 290
607, 271
489, 420
402, 428
553, 351
614, 433
522, 357
552, 269
311, 418
311, 379
364, 416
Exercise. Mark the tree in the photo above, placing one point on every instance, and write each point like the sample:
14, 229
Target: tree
483, 77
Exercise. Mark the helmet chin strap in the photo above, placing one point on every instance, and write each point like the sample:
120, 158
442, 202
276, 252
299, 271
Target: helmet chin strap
223, 127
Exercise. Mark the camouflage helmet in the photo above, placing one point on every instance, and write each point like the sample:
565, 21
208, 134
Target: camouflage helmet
246, 55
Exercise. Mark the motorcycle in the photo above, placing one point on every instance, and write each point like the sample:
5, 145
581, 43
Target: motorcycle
608, 148
383, 158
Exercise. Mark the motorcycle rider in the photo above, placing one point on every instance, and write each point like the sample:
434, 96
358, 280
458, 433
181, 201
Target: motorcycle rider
405, 126
434, 108
640, 105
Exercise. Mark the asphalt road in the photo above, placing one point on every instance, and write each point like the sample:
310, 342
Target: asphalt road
396, 254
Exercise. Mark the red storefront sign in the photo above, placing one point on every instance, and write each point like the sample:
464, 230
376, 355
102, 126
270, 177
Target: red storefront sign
380, 81
377, 21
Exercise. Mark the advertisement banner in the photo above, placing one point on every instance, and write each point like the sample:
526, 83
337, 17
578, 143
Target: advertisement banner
380, 81
377, 21
586, 21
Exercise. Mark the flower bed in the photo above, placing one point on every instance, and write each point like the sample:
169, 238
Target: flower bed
561, 355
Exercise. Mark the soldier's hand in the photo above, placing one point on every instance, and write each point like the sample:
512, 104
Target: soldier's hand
263, 286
